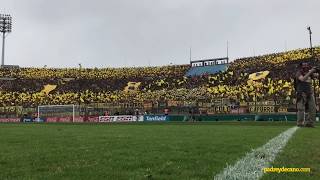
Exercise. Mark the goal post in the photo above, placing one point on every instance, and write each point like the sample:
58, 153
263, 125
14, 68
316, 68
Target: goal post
58, 111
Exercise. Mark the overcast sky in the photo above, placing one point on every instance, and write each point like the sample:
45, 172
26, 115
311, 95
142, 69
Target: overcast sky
117, 33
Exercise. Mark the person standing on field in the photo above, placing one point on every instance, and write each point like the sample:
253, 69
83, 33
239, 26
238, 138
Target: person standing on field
306, 106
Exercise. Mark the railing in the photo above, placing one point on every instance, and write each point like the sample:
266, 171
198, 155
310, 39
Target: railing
174, 107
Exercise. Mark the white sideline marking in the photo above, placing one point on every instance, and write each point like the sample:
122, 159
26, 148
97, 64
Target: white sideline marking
252, 164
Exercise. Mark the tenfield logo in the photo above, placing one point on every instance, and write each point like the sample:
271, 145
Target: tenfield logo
156, 118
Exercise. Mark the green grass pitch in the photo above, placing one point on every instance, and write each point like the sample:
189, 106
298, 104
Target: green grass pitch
144, 150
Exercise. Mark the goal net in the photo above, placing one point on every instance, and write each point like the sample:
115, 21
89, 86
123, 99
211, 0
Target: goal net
58, 113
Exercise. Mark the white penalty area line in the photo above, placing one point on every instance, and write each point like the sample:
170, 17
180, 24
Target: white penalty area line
252, 164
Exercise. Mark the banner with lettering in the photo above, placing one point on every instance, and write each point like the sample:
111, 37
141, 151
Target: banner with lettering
155, 118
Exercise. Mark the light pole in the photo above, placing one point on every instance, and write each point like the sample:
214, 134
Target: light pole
79, 83
5, 27
310, 40
313, 58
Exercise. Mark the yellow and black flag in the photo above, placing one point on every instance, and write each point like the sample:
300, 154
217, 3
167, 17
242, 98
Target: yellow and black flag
132, 87
258, 75
48, 88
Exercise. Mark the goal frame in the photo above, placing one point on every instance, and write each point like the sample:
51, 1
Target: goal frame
68, 105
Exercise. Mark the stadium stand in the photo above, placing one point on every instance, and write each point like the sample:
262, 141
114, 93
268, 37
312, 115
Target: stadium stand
170, 84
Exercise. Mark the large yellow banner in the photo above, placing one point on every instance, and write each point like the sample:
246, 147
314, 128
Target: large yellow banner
48, 88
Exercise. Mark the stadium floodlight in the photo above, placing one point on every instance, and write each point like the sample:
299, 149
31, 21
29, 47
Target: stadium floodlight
310, 40
5, 27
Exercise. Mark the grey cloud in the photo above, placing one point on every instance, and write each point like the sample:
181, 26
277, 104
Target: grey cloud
113, 33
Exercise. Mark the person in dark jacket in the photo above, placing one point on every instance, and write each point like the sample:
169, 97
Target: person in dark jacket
306, 106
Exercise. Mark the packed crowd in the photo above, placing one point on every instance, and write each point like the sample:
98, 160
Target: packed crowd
22, 86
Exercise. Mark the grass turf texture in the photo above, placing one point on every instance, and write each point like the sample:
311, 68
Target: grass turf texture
302, 151
127, 151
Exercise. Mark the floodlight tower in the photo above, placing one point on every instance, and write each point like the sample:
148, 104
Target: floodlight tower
5, 27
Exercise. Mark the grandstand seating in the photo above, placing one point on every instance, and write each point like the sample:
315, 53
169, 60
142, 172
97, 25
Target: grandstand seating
22, 87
